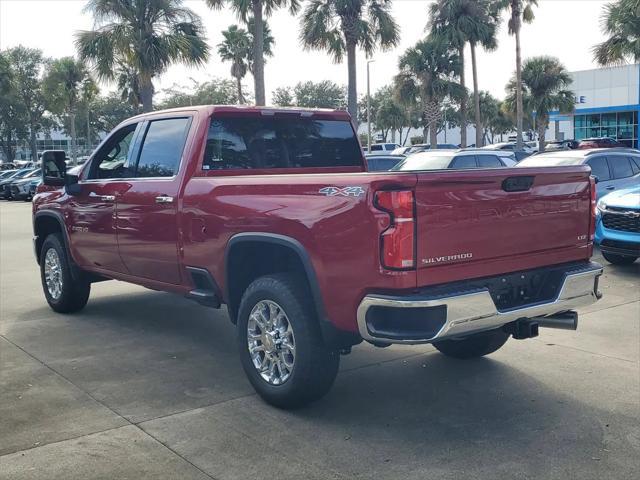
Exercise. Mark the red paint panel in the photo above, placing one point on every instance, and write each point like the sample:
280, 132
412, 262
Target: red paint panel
469, 226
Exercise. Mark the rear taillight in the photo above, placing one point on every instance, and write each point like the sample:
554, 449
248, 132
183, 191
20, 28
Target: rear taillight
398, 240
592, 212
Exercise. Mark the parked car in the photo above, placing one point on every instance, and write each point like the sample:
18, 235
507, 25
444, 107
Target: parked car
382, 148
17, 186
33, 187
554, 145
422, 147
533, 145
6, 173
511, 147
378, 163
273, 214
5, 183
401, 151
456, 159
612, 168
22, 189
600, 142
618, 226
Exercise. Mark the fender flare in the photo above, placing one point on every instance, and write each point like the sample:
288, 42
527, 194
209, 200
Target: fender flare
331, 335
287, 242
58, 218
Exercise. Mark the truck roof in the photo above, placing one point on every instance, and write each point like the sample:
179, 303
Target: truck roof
325, 113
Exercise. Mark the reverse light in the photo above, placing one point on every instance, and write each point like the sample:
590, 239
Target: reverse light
398, 240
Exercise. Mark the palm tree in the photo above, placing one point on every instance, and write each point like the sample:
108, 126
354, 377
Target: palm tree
520, 11
236, 48
428, 73
462, 22
621, 22
257, 10
340, 26
64, 86
145, 35
128, 83
545, 83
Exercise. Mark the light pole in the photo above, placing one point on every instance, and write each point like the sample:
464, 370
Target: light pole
369, 108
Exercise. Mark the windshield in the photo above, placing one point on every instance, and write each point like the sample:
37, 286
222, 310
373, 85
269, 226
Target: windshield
424, 161
549, 161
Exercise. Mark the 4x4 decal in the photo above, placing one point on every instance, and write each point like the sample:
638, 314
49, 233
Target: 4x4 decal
342, 191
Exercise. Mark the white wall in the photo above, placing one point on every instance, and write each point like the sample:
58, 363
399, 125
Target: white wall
605, 87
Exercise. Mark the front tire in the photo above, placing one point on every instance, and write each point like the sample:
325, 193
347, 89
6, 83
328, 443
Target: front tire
618, 259
473, 346
281, 347
64, 294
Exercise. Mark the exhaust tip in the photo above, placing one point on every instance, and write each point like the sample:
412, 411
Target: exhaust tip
564, 320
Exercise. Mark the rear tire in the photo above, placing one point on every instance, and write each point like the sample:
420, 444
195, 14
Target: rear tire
618, 259
473, 346
310, 367
64, 294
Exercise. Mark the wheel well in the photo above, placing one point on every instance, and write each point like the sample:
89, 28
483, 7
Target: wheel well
45, 226
249, 260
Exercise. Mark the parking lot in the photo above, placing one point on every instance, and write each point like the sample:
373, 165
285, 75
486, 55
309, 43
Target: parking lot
144, 384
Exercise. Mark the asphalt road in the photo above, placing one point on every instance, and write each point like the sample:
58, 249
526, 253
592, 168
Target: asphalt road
144, 384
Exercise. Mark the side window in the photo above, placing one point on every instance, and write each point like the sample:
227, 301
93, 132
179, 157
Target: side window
620, 166
489, 161
599, 168
464, 161
113, 160
635, 165
376, 148
162, 147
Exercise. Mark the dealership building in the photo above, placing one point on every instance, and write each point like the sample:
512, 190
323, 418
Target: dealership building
607, 104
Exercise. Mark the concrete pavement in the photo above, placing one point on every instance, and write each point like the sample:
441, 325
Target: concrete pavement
144, 384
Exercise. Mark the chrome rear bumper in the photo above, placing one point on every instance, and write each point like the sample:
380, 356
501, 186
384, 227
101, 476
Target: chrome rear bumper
476, 311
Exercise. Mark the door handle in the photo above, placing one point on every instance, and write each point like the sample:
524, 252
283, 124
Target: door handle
610, 187
164, 199
102, 198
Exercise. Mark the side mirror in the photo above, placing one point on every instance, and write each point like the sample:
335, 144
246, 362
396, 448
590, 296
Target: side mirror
54, 168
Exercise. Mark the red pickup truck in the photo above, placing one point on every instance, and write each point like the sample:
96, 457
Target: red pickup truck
272, 213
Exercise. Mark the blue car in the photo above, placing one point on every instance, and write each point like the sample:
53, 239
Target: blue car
618, 226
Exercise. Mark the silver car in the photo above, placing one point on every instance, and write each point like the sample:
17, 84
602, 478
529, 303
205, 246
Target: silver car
456, 159
613, 168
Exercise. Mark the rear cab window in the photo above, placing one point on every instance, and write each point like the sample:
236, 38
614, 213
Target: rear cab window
258, 142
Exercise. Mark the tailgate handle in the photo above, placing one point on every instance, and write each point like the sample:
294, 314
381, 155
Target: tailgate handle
517, 184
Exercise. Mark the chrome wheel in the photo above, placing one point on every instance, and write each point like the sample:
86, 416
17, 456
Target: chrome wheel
271, 342
53, 273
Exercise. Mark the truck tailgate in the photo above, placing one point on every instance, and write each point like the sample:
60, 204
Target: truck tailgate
479, 223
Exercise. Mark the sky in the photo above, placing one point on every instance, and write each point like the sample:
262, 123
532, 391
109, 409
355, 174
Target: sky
566, 29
